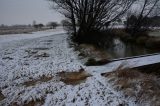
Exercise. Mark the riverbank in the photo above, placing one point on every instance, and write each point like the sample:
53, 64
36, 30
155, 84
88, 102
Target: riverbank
150, 39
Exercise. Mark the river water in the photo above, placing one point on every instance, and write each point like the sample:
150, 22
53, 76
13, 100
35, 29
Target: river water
120, 49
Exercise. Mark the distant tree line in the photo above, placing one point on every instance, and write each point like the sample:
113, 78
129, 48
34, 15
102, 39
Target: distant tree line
51, 25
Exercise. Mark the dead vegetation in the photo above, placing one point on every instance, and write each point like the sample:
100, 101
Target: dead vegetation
69, 78
73, 78
94, 56
40, 80
143, 87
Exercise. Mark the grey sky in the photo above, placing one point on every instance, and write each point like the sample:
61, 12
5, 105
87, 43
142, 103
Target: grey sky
25, 11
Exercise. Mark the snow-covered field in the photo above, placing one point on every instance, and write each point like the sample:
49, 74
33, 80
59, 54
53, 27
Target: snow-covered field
26, 57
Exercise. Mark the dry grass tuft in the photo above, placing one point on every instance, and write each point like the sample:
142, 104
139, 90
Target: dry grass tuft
73, 78
34, 82
143, 87
127, 73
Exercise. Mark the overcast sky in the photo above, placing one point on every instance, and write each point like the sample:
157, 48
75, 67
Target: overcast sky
25, 11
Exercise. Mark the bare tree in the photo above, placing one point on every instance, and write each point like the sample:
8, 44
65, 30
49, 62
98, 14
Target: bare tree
91, 14
138, 19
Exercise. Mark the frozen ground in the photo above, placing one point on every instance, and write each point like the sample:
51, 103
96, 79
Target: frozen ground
26, 57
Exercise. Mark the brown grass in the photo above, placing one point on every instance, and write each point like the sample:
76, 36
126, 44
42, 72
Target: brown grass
34, 82
143, 87
73, 78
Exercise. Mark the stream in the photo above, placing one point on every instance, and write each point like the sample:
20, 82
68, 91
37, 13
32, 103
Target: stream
119, 49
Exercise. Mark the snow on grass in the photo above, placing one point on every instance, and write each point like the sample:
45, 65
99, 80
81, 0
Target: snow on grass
11, 37
23, 59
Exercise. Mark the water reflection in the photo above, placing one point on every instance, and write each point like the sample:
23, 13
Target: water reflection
120, 49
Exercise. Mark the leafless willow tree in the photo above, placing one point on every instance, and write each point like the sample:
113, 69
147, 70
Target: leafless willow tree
140, 13
91, 14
